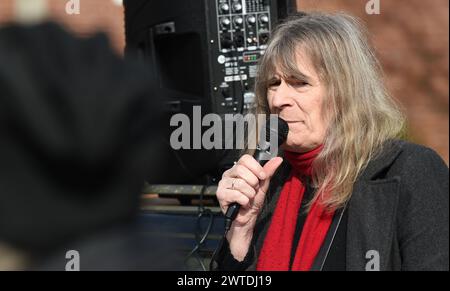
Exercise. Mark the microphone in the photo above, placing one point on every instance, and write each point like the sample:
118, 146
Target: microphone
262, 155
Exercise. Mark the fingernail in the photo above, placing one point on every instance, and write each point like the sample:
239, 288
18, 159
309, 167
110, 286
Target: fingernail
262, 175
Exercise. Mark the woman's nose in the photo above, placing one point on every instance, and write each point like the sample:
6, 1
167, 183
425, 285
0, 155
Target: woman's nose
282, 96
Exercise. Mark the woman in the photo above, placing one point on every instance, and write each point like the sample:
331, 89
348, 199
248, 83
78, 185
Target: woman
347, 194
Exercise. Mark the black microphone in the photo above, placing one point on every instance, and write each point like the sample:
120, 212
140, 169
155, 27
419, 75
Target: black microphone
262, 155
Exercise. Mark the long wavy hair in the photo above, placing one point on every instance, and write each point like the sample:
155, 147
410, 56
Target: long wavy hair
361, 113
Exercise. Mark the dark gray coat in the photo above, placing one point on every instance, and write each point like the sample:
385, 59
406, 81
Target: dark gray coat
399, 208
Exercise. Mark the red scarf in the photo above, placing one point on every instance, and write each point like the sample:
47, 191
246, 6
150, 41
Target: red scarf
276, 251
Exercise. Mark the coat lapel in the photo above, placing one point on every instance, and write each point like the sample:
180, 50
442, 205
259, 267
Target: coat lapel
371, 224
372, 215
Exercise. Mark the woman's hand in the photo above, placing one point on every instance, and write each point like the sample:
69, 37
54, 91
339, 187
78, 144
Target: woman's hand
246, 183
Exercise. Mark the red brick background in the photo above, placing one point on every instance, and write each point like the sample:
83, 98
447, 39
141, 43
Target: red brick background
410, 36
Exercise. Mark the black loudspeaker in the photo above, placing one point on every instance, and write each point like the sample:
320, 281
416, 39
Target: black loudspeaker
204, 53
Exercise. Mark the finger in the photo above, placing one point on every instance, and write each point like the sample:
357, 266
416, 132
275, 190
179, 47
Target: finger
271, 166
231, 196
242, 172
235, 184
250, 163
227, 173
241, 186
226, 195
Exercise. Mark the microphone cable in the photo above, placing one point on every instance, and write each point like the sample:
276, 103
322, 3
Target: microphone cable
228, 222
201, 237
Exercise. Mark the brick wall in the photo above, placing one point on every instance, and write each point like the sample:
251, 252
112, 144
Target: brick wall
410, 36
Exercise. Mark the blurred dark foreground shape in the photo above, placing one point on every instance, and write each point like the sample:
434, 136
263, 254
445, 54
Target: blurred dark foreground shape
79, 135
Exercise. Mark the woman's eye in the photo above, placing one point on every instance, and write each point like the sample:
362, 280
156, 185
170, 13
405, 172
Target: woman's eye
299, 84
273, 84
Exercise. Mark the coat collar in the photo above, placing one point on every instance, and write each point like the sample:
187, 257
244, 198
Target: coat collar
384, 160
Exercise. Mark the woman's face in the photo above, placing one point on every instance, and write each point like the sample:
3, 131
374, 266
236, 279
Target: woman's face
298, 100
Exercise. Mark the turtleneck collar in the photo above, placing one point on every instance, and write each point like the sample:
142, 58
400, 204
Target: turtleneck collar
302, 162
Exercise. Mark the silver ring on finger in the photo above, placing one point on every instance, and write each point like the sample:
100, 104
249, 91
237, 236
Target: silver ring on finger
232, 183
